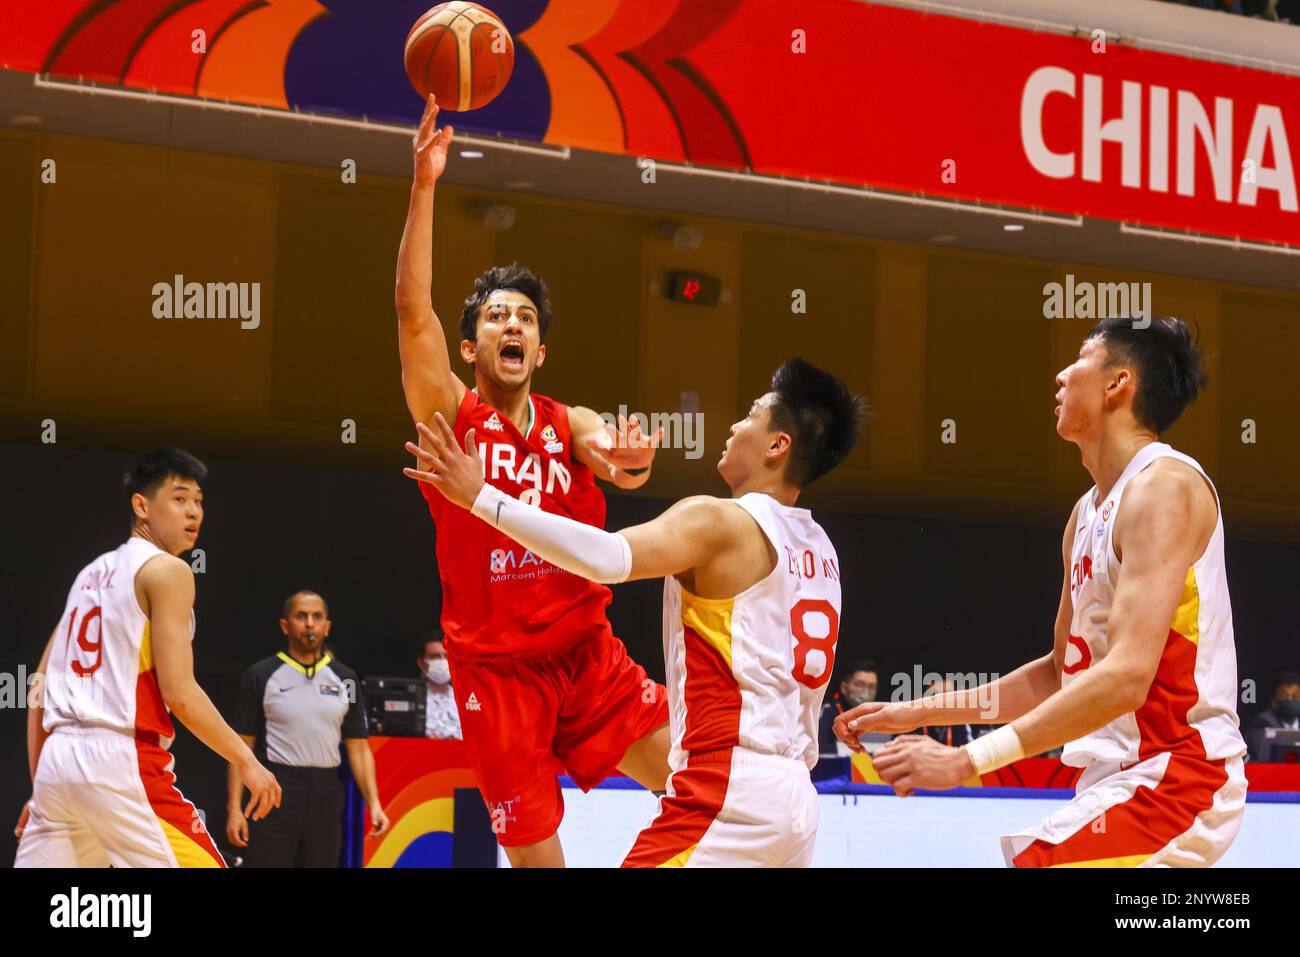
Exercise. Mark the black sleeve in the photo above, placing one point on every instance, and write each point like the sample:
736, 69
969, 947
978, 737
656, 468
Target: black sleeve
249, 715
354, 722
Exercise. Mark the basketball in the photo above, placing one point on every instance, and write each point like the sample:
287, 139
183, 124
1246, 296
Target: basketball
460, 52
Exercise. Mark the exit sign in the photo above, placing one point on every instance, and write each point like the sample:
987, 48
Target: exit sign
694, 287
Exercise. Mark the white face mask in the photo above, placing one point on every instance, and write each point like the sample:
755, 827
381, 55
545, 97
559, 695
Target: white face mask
437, 670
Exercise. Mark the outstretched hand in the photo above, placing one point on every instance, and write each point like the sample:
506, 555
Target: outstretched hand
431, 145
873, 717
626, 447
455, 472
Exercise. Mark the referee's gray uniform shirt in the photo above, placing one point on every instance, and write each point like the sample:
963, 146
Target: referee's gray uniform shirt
298, 714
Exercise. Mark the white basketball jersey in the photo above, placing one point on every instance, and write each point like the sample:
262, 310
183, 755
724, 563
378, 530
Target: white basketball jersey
100, 671
1191, 707
751, 671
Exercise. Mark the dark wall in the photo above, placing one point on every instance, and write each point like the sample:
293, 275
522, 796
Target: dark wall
941, 595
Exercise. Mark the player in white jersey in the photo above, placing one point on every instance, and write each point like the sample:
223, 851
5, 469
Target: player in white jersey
751, 618
116, 667
1140, 686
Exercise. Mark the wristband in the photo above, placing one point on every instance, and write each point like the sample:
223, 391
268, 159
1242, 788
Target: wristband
995, 750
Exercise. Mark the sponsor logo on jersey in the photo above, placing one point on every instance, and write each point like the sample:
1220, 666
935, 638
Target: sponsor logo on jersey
494, 423
507, 564
1109, 507
472, 703
501, 461
330, 691
553, 443
502, 813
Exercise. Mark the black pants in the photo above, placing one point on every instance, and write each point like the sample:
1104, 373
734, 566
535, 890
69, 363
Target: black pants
306, 829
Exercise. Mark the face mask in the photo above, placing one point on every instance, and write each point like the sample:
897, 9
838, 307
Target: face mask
1288, 710
437, 670
858, 697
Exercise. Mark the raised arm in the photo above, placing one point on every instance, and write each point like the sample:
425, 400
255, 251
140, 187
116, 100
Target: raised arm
427, 379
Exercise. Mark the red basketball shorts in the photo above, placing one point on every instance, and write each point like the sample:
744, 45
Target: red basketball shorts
528, 720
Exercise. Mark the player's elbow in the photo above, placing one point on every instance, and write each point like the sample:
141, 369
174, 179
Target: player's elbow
411, 315
179, 694
1128, 689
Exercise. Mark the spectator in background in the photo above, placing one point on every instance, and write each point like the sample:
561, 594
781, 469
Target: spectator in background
1283, 712
441, 719
858, 686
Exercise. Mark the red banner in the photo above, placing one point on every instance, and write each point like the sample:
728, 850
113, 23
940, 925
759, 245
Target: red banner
894, 98
854, 92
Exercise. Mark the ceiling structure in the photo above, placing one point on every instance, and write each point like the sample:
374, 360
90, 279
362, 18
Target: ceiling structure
504, 167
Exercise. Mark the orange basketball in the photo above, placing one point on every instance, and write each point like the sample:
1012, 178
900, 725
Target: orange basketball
460, 52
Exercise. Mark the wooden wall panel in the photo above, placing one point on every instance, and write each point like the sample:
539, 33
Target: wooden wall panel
19, 172
334, 353
1261, 341
836, 332
988, 354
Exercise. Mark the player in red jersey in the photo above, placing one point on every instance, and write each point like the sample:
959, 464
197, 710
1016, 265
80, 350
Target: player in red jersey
541, 683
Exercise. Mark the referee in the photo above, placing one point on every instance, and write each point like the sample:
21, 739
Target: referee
292, 709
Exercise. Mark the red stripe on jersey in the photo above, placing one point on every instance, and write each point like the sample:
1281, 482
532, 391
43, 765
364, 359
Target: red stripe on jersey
699, 791
1143, 824
170, 805
712, 697
151, 714
1162, 719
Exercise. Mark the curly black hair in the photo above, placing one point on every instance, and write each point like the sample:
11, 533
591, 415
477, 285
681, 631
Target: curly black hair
516, 276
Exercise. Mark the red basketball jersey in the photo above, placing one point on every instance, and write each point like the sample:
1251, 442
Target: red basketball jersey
498, 597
